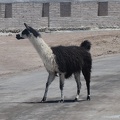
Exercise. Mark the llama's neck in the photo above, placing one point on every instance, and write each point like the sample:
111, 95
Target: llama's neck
42, 48
44, 51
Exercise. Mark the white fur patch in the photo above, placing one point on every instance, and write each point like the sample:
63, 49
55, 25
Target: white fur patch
45, 53
77, 96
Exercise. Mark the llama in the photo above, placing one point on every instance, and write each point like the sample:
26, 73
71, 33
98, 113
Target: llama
61, 60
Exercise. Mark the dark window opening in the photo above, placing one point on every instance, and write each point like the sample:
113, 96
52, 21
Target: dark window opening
8, 10
102, 8
65, 9
45, 10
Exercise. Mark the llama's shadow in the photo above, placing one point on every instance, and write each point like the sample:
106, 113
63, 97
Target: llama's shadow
54, 101
65, 101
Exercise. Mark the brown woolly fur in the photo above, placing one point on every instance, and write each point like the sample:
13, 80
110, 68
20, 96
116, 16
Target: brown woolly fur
73, 59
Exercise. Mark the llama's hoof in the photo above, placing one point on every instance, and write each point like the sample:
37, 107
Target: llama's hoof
76, 99
61, 101
43, 100
88, 98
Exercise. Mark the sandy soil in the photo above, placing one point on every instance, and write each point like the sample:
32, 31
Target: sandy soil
17, 56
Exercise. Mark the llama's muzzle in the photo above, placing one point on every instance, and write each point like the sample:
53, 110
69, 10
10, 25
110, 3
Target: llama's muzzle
19, 37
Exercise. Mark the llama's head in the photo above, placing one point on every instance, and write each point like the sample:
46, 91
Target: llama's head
28, 32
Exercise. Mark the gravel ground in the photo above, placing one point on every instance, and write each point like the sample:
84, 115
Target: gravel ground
19, 56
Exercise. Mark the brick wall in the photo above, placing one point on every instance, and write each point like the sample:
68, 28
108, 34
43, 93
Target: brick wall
30, 13
83, 14
113, 18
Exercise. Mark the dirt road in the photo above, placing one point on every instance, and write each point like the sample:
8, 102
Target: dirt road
22, 81
19, 56
20, 95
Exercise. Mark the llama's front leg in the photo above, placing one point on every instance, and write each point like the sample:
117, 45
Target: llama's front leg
77, 78
51, 77
62, 79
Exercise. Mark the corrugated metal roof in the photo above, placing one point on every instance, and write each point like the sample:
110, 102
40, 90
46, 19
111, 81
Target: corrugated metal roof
12, 1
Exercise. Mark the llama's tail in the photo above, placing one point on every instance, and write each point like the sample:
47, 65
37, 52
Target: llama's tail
86, 44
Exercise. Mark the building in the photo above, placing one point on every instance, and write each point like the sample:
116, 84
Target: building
59, 14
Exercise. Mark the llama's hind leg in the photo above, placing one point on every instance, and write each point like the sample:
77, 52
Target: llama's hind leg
77, 79
62, 79
87, 75
51, 77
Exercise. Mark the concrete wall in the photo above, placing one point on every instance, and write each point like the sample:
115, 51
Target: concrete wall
83, 14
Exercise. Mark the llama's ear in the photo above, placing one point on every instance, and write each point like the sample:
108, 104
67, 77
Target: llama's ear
31, 30
26, 26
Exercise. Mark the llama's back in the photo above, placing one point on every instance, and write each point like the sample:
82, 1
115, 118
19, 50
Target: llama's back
70, 59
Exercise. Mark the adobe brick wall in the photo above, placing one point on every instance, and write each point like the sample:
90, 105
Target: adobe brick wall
83, 14
23, 12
